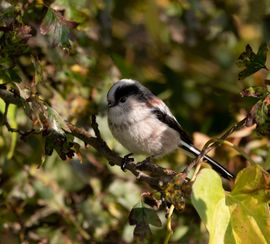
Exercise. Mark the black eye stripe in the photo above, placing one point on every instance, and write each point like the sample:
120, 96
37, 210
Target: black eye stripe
126, 91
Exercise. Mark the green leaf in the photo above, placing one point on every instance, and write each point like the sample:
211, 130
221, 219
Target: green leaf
126, 193
75, 10
241, 216
51, 140
10, 75
11, 116
38, 71
141, 214
57, 28
252, 62
254, 91
142, 217
55, 120
208, 197
48, 22
142, 231
260, 113
59, 142
56, 137
7, 16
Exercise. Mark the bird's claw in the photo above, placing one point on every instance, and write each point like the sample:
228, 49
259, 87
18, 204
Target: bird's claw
126, 160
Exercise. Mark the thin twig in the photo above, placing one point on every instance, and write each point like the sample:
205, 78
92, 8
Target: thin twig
95, 126
11, 129
156, 175
213, 143
169, 225
154, 179
11, 98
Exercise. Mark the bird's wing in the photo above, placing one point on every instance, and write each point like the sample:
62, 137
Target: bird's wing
166, 117
171, 121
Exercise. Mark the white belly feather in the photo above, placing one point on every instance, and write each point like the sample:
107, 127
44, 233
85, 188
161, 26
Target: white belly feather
147, 135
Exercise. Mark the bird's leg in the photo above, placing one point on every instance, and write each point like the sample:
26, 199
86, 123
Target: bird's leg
126, 160
146, 161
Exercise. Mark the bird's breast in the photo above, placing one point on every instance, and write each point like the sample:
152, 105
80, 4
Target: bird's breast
146, 135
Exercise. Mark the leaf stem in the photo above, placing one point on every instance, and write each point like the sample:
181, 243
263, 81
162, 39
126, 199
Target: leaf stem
169, 225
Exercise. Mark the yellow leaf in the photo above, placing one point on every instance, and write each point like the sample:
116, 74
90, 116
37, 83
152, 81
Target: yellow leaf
241, 216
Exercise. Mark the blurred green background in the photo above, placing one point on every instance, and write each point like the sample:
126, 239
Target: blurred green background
184, 51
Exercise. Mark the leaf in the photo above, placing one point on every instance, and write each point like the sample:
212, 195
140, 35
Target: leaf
59, 142
142, 231
48, 22
126, 193
10, 75
259, 114
57, 28
252, 62
11, 116
56, 137
254, 91
241, 216
38, 77
143, 217
55, 120
51, 141
207, 197
141, 214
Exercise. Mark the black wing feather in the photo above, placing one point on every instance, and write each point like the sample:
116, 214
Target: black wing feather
187, 143
172, 122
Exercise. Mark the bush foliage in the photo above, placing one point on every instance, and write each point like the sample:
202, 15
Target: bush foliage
206, 59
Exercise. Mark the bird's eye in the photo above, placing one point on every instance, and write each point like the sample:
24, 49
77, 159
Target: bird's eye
122, 99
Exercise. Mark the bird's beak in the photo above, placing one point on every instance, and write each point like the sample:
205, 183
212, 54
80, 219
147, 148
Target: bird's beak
110, 104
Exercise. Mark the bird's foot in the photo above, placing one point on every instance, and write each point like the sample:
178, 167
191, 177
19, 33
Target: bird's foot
142, 164
126, 160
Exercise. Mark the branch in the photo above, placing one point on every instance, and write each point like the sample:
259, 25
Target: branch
171, 185
156, 176
11, 98
213, 143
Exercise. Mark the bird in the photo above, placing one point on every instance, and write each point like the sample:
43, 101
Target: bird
143, 124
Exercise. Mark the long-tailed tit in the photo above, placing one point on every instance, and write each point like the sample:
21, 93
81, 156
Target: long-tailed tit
143, 124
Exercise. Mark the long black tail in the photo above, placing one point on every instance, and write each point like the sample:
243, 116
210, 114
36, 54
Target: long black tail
215, 165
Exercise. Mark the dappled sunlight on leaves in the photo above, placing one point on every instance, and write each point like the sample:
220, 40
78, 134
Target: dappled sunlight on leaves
57, 61
242, 214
